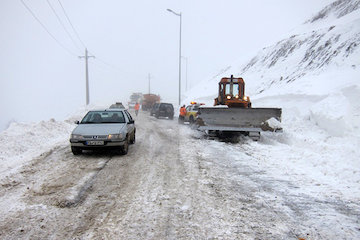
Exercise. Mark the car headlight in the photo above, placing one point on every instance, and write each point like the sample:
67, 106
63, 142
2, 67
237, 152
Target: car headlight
76, 136
245, 98
115, 136
228, 97
237, 96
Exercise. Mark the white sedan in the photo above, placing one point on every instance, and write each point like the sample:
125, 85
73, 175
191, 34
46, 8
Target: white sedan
109, 128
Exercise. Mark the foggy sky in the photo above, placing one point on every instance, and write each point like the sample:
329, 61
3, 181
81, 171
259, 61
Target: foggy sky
40, 80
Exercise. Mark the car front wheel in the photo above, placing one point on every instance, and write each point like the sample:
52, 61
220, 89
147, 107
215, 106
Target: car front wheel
132, 141
125, 147
76, 151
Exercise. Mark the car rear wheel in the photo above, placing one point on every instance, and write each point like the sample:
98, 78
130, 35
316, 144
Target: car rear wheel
76, 151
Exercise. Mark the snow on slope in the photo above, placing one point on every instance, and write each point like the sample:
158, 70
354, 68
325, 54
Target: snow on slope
314, 76
319, 60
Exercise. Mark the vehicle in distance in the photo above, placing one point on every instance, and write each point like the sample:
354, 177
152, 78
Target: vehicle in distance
191, 112
117, 105
109, 128
164, 110
153, 108
149, 100
135, 98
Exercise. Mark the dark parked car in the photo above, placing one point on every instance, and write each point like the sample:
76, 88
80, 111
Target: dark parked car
153, 109
164, 110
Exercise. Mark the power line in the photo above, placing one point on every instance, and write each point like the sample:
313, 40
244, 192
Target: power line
78, 36
62, 24
105, 63
53, 37
72, 26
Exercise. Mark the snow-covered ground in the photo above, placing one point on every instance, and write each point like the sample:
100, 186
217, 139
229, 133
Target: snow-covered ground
176, 184
304, 182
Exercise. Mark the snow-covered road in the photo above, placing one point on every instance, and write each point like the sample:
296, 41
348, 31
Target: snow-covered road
173, 184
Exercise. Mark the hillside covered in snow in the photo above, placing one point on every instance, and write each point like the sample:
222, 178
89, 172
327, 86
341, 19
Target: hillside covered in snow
316, 70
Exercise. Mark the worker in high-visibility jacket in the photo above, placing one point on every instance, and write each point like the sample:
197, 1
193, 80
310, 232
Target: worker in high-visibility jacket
182, 114
137, 107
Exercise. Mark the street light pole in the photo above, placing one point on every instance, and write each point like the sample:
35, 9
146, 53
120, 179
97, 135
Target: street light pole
186, 72
179, 15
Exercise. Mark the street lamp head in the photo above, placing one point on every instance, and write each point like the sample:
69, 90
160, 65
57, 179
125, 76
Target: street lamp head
177, 14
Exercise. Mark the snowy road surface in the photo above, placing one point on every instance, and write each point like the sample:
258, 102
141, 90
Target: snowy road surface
173, 184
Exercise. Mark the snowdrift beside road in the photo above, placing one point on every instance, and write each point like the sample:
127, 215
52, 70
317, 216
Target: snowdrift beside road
21, 142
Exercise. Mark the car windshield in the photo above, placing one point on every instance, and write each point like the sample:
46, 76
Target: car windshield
166, 105
103, 117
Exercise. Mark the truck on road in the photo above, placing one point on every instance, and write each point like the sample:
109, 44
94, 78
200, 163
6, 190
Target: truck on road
149, 100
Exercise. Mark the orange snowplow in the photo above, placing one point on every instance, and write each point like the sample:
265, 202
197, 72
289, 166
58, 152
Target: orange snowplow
233, 114
232, 93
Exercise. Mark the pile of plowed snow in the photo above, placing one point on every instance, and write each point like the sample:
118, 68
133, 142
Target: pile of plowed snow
23, 141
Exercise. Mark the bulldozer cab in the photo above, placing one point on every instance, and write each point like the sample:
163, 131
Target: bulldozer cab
232, 93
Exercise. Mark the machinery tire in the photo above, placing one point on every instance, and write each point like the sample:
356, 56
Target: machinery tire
76, 150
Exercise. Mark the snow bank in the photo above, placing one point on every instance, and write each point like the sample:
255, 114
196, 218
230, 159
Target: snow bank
22, 142
331, 114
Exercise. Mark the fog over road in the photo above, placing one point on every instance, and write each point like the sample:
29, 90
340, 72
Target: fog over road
173, 184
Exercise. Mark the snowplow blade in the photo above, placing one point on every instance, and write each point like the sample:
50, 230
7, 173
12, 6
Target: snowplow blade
239, 119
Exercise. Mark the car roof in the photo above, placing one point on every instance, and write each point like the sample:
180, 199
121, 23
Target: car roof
108, 110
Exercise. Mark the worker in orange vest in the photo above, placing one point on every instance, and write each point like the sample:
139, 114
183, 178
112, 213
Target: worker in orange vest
137, 107
182, 114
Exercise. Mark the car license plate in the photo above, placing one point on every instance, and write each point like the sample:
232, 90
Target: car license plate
92, 143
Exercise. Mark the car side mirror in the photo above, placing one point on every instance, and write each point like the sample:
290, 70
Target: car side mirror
131, 122
77, 122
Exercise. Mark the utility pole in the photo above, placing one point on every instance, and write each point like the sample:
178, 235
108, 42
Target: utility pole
87, 74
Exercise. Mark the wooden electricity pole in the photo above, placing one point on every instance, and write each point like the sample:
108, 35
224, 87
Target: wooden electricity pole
87, 75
